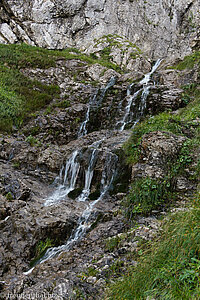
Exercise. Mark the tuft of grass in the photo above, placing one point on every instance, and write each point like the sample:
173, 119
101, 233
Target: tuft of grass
170, 268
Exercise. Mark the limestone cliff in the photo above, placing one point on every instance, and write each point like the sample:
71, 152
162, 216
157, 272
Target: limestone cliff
158, 27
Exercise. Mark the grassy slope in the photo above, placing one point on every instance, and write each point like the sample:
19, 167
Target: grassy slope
20, 96
170, 268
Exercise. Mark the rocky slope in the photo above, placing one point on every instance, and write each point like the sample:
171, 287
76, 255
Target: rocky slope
65, 117
32, 157
160, 28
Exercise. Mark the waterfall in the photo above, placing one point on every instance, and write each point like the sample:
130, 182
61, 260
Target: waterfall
147, 77
96, 99
131, 99
88, 176
68, 182
69, 175
83, 226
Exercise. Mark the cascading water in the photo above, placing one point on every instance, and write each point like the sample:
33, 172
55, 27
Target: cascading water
88, 176
96, 99
69, 176
108, 174
147, 77
67, 183
131, 99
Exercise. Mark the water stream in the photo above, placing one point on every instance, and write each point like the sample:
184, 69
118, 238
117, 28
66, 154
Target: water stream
137, 114
67, 180
69, 174
95, 100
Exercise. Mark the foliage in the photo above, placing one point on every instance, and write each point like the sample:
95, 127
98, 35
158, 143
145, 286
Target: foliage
113, 242
170, 269
31, 140
147, 194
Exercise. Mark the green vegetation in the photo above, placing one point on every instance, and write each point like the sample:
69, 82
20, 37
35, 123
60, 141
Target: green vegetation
20, 96
40, 250
31, 140
170, 268
115, 41
189, 61
9, 196
112, 243
26, 56
147, 194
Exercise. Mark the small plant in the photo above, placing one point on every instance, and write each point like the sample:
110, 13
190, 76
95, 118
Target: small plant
16, 165
9, 196
112, 243
31, 140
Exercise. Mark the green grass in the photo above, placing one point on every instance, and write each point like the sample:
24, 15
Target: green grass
170, 269
147, 194
23, 56
189, 61
20, 96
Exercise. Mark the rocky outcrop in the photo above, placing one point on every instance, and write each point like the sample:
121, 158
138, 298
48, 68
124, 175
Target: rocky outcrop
157, 27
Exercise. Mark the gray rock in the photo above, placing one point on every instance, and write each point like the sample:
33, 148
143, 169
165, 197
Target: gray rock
157, 27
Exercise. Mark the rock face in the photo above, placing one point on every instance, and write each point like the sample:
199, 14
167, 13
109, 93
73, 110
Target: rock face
158, 27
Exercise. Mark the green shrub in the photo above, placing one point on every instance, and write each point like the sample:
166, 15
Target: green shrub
31, 140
